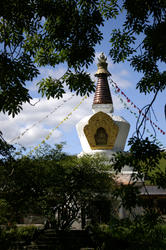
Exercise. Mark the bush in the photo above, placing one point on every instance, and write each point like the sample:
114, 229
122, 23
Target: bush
9, 237
127, 235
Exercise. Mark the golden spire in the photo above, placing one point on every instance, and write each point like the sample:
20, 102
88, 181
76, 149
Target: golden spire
102, 65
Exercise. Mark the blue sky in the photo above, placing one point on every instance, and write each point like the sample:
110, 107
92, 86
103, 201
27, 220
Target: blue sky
37, 121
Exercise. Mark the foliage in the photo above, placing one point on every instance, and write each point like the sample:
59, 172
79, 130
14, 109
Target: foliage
163, 161
6, 150
72, 185
21, 184
128, 234
5, 212
50, 183
144, 159
142, 228
11, 236
26, 233
141, 41
40, 33
55, 87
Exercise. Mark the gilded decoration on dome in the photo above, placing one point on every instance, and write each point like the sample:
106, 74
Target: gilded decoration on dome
101, 131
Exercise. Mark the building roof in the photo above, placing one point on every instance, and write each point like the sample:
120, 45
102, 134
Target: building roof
153, 190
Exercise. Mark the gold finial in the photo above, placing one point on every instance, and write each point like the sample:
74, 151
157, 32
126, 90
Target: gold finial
102, 58
102, 65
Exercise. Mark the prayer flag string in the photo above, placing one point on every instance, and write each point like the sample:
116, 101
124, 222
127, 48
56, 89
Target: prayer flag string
129, 101
126, 106
45, 117
51, 132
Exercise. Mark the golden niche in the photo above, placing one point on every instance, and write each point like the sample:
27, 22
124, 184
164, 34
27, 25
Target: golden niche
101, 136
101, 131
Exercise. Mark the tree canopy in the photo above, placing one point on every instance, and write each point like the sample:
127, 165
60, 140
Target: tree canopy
50, 183
40, 33
141, 41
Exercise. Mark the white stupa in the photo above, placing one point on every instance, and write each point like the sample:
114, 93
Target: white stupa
102, 131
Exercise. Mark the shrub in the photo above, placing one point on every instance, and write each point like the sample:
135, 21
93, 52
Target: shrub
9, 237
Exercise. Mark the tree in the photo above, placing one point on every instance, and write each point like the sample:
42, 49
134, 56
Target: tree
143, 226
143, 28
74, 186
141, 41
51, 183
6, 150
40, 33
22, 180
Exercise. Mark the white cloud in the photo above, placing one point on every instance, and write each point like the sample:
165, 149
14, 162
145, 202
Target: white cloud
124, 72
116, 103
35, 135
120, 81
56, 72
28, 119
31, 115
37, 121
